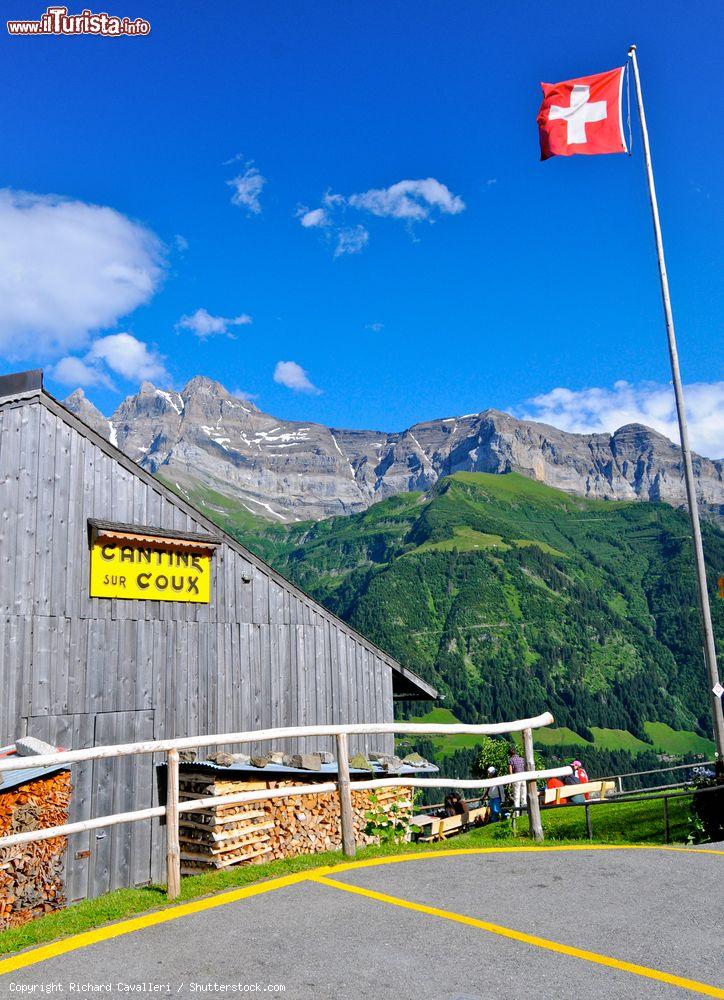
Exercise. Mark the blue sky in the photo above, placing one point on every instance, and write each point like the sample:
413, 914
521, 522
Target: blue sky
527, 277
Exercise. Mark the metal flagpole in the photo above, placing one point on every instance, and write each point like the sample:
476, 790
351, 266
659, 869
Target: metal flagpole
704, 609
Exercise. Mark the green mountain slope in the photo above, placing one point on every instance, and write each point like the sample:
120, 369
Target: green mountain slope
512, 597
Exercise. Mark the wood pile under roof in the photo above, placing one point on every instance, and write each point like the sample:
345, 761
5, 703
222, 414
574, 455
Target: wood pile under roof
252, 832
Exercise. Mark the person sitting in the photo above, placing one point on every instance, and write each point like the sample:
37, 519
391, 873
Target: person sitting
577, 800
580, 773
554, 783
455, 805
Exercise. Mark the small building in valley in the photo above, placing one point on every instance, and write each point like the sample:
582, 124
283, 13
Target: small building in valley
127, 614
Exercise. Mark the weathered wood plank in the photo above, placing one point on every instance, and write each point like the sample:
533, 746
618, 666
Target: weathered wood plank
260, 596
57, 570
27, 473
256, 678
341, 692
10, 513
44, 512
76, 544
310, 683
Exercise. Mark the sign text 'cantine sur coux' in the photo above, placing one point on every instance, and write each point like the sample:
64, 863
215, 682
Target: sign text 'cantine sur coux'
158, 571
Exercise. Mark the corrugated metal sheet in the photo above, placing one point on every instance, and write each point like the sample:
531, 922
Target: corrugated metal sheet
13, 779
274, 771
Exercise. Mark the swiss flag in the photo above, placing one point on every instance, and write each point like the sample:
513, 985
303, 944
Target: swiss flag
582, 116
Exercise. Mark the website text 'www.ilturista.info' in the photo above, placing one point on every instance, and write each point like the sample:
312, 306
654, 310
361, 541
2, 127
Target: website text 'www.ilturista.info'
57, 21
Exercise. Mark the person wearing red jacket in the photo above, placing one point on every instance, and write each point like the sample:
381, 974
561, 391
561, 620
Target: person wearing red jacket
579, 772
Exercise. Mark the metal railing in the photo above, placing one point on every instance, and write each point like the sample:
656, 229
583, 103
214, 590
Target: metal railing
618, 778
342, 784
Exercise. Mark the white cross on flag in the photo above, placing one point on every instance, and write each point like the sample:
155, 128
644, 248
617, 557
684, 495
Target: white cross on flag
582, 116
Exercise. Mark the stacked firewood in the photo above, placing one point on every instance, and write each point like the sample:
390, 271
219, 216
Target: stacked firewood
221, 835
31, 875
263, 831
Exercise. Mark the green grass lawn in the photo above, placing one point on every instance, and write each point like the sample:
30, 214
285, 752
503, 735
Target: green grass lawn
464, 539
617, 823
446, 745
618, 739
664, 739
551, 736
668, 740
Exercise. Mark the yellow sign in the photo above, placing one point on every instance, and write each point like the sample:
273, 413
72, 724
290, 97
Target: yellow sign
149, 574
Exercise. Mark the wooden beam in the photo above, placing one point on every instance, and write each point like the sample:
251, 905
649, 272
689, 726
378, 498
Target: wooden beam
99, 823
311, 788
345, 796
536, 826
287, 732
173, 849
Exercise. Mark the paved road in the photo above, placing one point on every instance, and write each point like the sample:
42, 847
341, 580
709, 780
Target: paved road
657, 909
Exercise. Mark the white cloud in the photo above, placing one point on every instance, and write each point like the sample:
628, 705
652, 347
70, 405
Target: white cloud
118, 353
247, 187
375, 327
312, 218
293, 376
351, 239
246, 397
67, 269
409, 201
202, 324
181, 243
128, 357
604, 410
76, 372
414, 201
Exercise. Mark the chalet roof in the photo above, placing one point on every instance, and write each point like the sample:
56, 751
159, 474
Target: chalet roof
27, 387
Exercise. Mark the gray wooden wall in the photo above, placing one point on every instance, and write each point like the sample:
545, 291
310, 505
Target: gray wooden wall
79, 671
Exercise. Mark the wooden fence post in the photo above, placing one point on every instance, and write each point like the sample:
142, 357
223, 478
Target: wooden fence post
173, 848
345, 796
536, 827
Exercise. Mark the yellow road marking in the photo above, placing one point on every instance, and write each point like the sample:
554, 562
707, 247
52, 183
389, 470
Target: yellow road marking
62, 947
109, 931
460, 851
538, 942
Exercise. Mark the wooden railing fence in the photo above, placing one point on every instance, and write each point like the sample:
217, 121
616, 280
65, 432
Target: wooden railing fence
342, 784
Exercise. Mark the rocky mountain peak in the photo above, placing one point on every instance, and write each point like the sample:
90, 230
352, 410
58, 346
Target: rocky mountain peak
76, 398
202, 384
638, 432
206, 437
79, 404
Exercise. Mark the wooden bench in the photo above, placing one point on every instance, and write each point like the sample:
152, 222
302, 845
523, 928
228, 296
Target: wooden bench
594, 789
440, 827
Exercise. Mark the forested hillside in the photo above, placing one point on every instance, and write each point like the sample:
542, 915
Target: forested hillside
513, 597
